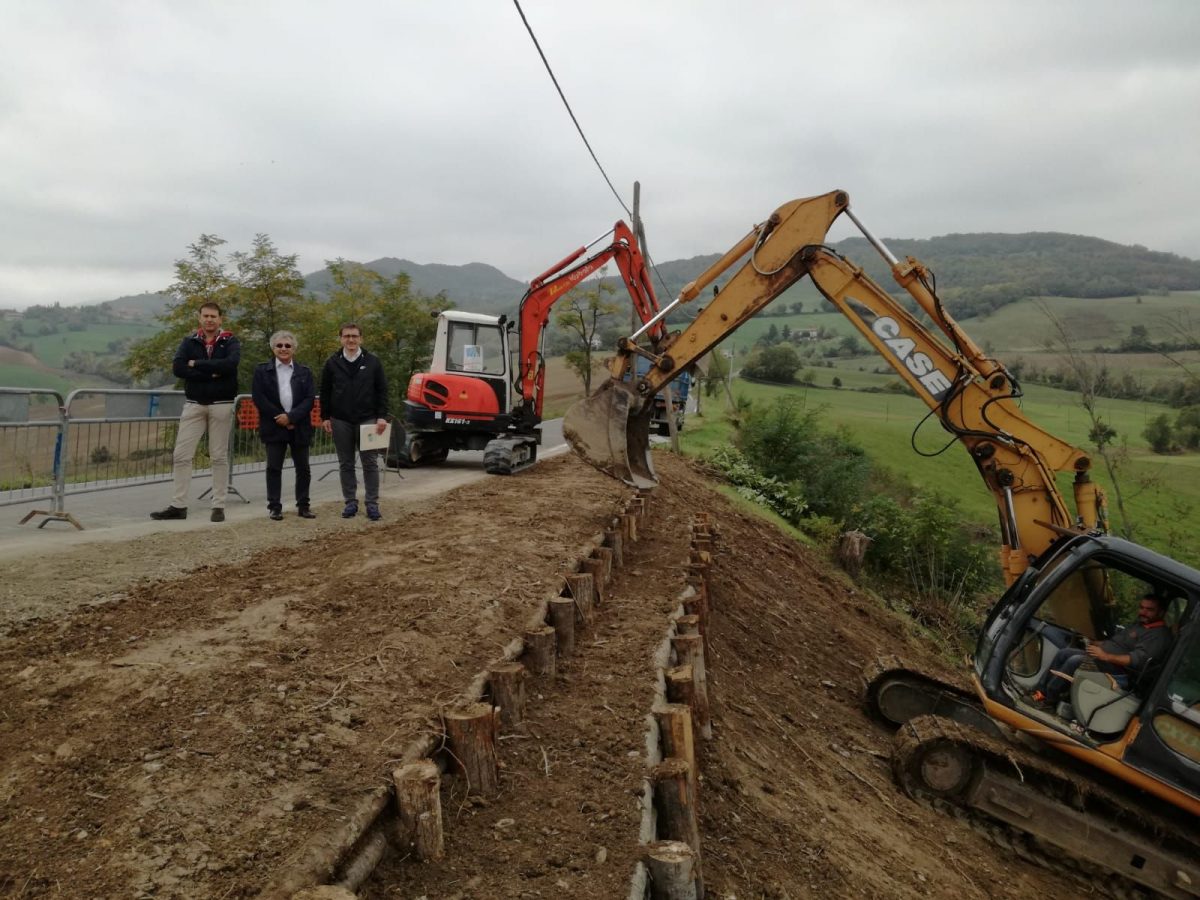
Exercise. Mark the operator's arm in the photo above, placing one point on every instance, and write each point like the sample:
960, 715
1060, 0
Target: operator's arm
381, 398
181, 364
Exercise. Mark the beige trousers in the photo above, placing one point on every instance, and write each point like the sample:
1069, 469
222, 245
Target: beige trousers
217, 420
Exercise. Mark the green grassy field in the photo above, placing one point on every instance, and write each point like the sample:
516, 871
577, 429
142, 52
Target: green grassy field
1162, 493
51, 349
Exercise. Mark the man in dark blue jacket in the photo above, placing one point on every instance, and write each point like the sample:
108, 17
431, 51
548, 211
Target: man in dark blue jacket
284, 393
207, 361
353, 394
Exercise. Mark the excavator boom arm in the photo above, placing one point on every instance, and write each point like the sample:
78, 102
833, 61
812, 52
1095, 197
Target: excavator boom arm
973, 395
553, 284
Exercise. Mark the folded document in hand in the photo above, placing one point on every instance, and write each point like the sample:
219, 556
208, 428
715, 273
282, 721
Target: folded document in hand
369, 440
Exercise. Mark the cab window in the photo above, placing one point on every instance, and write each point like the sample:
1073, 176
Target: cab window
474, 348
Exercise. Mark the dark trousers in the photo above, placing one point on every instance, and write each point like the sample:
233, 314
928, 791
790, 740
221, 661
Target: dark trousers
1067, 660
345, 442
276, 451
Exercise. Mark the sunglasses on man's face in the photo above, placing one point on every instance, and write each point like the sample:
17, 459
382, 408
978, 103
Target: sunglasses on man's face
284, 346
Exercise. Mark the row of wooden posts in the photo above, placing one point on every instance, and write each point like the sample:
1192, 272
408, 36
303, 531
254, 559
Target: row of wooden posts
471, 731
673, 860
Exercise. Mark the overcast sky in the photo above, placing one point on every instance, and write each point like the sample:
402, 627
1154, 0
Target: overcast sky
429, 129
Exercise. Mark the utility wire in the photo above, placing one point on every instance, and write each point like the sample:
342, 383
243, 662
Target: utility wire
570, 112
662, 282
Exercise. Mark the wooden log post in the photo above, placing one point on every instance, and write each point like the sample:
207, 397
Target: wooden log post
582, 590
472, 731
419, 809
672, 868
677, 820
691, 624
506, 681
629, 528
561, 613
612, 540
605, 555
680, 684
851, 551
689, 651
539, 651
697, 605
595, 567
675, 738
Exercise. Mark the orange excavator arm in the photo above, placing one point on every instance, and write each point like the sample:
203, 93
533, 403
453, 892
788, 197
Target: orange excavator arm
553, 284
973, 396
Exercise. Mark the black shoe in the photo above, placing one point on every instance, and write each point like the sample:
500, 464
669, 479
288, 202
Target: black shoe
218, 515
350, 510
373, 512
276, 514
305, 513
171, 512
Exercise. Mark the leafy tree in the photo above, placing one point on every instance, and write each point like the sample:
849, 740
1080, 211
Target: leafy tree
1159, 434
582, 313
200, 278
772, 335
269, 288
837, 382
1187, 427
398, 324
778, 363
849, 346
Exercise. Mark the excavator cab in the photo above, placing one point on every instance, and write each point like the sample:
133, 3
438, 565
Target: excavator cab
1085, 590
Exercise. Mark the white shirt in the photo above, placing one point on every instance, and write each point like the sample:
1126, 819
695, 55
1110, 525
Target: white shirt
353, 358
284, 374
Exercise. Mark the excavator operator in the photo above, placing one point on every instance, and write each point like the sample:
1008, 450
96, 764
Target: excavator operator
1127, 653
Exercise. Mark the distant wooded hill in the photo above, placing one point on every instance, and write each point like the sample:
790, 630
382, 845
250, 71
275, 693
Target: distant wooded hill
976, 272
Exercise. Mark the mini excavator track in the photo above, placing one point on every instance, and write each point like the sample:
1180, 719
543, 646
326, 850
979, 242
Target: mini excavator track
508, 455
1044, 813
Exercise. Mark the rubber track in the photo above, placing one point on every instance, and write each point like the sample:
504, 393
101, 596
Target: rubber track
498, 458
1010, 760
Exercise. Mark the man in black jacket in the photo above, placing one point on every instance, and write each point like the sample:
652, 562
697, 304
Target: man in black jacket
353, 394
284, 393
207, 361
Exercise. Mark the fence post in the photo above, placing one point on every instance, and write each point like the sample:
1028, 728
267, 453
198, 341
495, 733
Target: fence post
58, 511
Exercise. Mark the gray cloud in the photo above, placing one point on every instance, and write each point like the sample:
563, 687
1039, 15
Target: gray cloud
431, 131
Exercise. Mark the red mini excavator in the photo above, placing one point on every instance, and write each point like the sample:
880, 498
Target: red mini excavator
484, 388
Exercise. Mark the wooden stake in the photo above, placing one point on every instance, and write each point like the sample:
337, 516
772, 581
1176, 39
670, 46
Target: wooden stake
629, 528
472, 733
672, 867
675, 810
561, 612
689, 624
595, 567
507, 684
580, 586
689, 651
612, 540
539, 651
680, 684
419, 809
697, 606
605, 554
675, 738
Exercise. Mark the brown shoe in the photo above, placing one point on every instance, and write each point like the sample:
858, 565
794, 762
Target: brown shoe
218, 515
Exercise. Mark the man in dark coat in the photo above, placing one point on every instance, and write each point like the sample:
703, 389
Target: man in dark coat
207, 361
284, 393
353, 394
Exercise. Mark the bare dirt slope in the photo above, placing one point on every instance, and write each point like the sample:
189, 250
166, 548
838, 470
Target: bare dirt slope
185, 737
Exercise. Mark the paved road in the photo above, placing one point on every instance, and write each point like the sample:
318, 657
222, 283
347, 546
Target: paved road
124, 513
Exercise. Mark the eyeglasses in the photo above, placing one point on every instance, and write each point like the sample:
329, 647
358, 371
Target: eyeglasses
284, 346
351, 337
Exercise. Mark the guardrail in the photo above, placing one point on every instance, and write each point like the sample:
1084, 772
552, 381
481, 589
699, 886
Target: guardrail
98, 439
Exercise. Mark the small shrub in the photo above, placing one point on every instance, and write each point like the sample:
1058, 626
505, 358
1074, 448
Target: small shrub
101, 455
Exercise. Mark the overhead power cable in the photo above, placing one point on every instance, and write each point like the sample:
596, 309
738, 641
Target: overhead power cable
570, 112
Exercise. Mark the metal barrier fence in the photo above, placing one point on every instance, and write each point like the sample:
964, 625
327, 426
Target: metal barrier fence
101, 439
31, 435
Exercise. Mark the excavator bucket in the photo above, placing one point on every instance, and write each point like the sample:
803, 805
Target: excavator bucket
611, 430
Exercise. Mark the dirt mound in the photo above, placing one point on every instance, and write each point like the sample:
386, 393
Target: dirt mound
187, 738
